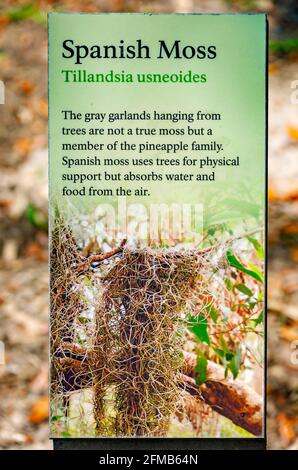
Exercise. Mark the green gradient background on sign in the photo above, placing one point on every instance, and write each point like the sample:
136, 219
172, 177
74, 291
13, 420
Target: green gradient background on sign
235, 88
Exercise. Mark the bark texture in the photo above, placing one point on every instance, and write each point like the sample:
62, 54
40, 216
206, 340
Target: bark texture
231, 398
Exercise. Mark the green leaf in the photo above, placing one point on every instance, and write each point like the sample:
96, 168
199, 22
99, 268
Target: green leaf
224, 345
283, 46
88, 282
35, 218
260, 319
229, 284
201, 369
230, 355
211, 310
57, 418
235, 362
65, 434
256, 271
258, 247
260, 296
219, 352
235, 263
252, 304
211, 231
83, 320
198, 326
244, 289
22, 12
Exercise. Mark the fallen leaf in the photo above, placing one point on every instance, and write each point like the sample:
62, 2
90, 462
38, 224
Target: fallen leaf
4, 20
34, 250
5, 203
273, 67
289, 333
39, 411
292, 133
29, 439
272, 195
90, 8
286, 425
291, 229
23, 146
42, 108
294, 253
26, 87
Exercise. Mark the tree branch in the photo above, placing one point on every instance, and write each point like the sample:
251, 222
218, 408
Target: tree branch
85, 265
231, 398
